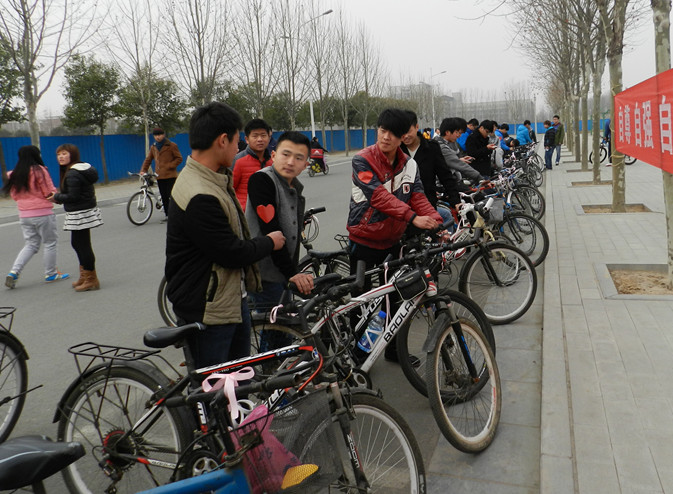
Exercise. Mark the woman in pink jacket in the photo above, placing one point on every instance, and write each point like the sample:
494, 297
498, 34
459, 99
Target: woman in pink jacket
29, 184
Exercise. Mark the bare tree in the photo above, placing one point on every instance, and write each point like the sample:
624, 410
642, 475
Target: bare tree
132, 45
41, 36
370, 82
347, 69
661, 15
200, 45
289, 23
321, 65
256, 66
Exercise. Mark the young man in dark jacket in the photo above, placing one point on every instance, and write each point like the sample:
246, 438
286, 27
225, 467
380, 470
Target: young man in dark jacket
166, 156
478, 147
210, 254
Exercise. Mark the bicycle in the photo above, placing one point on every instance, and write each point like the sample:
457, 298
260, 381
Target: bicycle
13, 374
141, 204
143, 431
463, 383
27, 460
603, 151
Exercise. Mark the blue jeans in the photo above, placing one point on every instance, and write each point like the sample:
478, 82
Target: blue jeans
548, 153
558, 153
264, 301
447, 217
220, 343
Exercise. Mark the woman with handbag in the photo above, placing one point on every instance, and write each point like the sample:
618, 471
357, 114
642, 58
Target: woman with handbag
29, 184
78, 197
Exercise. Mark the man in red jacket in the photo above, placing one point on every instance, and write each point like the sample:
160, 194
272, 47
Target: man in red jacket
252, 158
387, 196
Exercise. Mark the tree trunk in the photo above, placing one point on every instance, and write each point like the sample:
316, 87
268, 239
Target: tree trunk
576, 128
661, 10
106, 179
596, 120
3, 165
618, 172
31, 107
585, 132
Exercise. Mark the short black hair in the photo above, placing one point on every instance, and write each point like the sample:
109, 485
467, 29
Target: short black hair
297, 138
547, 123
462, 123
526, 122
413, 118
514, 143
489, 125
256, 124
504, 127
451, 124
394, 120
473, 121
556, 116
210, 121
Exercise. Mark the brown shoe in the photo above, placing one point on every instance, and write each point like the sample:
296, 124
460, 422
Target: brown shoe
77, 283
90, 282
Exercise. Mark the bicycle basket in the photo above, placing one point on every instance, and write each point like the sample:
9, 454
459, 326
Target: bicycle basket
412, 284
298, 444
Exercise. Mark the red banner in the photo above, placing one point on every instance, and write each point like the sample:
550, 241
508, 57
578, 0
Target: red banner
642, 126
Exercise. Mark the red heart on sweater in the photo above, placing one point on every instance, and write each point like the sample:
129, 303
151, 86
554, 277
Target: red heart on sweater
365, 177
266, 213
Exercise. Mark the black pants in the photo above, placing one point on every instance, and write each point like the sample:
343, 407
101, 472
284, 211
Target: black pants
165, 189
374, 257
81, 243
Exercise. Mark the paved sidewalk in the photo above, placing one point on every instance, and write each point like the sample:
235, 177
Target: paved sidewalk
607, 392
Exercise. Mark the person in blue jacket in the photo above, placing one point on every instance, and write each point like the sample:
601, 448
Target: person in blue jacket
523, 133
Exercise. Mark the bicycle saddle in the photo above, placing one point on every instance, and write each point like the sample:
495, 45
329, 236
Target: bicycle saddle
163, 337
326, 255
28, 460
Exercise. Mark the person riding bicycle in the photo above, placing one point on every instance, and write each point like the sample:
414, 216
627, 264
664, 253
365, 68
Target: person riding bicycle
318, 153
166, 156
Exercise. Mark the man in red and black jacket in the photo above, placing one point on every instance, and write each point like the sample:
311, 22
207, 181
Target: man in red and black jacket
252, 158
387, 196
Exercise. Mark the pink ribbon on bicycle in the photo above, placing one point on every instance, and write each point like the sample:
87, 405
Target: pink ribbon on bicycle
229, 382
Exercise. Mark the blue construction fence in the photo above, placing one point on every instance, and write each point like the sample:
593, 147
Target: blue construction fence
125, 153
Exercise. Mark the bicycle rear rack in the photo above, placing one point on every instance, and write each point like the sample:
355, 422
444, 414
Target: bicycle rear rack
7, 312
89, 353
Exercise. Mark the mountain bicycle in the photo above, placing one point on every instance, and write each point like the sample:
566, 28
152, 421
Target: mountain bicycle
145, 429
604, 149
141, 204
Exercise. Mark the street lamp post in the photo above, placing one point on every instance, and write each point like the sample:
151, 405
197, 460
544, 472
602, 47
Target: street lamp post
432, 94
310, 101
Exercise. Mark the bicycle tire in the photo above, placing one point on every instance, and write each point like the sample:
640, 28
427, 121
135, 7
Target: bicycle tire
100, 409
139, 208
519, 203
526, 233
535, 198
511, 299
325, 169
386, 447
629, 160
467, 412
412, 335
165, 305
285, 335
13, 383
604, 153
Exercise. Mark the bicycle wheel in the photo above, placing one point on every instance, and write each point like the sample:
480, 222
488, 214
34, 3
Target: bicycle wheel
139, 208
101, 410
519, 203
275, 335
466, 408
412, 336
165, 305
13, 383
535, 198
501, 280
604, 153
629, 160
526, 233
325, 169
386, 447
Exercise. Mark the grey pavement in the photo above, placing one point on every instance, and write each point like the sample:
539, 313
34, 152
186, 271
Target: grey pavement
587, 402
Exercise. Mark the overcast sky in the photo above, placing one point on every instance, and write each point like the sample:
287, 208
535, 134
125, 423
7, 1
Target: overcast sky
420, 38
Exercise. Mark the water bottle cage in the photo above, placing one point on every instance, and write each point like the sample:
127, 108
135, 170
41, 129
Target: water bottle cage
413, 283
